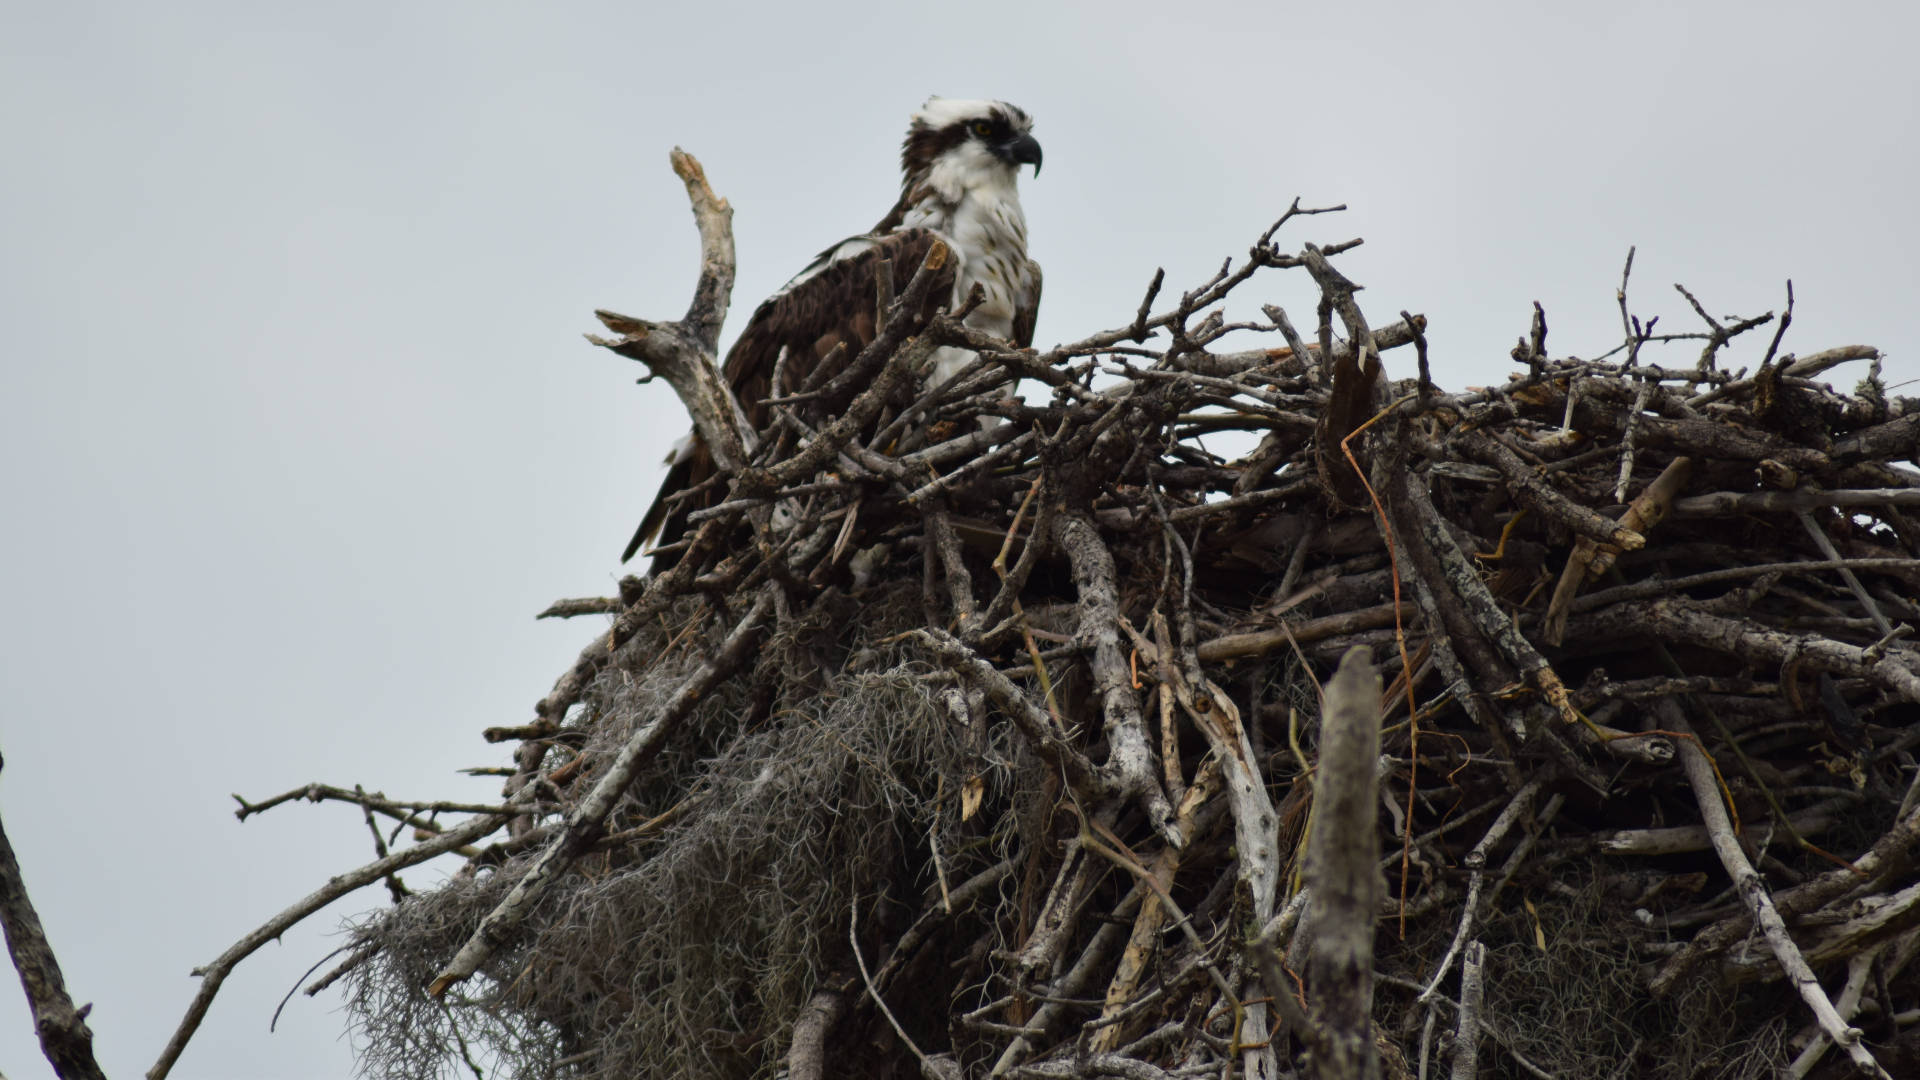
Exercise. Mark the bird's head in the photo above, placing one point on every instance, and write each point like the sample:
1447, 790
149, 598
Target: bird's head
987, 140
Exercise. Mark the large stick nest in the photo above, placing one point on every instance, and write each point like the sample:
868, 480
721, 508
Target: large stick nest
990, 748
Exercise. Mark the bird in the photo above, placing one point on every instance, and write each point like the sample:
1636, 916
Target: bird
959, 168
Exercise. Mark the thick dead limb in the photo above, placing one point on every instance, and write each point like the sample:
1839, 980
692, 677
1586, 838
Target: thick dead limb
807, 1051
713, 290
1700, 438
1343, 847
1680, 839
674, 355
1681, 621
1804, 367
1867, 923
1848, 1006
62, 1028
1255, 830
954, 569
682, 352
585, 605
1130, 766
1753, 890
586, 824
1897, 440
1480, 605
1054, 922
1471, 666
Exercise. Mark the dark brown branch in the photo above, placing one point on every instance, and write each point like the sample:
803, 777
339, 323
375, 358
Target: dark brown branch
62, 1028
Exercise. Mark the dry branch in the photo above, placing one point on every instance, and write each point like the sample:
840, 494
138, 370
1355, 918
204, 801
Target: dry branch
62, 1028
214, 974
682, 352
1759, 900
1342, 850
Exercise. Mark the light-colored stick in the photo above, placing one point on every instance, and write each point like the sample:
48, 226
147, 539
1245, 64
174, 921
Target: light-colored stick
1753, 889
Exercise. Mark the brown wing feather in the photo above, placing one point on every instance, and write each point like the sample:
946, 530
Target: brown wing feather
895, 217
1024, 318
834, 306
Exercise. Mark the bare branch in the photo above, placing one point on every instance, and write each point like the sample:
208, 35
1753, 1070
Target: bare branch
62, 1028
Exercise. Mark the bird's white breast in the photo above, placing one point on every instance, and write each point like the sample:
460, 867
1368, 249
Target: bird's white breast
975, 206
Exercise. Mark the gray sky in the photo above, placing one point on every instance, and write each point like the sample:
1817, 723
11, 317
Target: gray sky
297, 431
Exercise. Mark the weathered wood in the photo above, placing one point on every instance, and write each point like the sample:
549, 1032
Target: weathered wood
64, 1036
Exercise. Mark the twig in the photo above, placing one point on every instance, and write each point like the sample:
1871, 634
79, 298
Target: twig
931, 1068
1627, 446
215, 973
1820, 540
1476, 862
1146, 304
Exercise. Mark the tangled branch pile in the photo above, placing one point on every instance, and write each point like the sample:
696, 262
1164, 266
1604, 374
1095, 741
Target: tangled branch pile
994, 748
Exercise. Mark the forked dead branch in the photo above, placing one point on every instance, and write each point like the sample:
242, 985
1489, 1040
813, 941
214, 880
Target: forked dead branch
969, 735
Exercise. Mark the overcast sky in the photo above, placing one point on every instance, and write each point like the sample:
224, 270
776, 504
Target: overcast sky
297, 429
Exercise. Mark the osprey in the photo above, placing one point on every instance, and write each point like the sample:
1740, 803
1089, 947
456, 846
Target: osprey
959, 167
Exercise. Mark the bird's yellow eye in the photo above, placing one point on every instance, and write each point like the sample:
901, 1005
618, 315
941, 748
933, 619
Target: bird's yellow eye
981, 127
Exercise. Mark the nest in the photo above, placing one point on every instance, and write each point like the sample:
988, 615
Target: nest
986, 737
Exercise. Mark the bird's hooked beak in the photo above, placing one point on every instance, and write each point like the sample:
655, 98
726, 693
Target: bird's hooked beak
1025, 150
